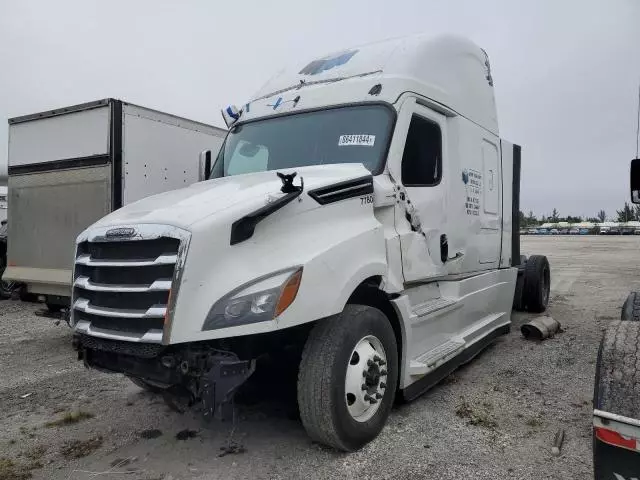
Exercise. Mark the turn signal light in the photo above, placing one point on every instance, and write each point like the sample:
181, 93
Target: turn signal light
289, 292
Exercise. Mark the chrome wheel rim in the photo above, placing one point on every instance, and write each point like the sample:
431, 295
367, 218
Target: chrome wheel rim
365, 380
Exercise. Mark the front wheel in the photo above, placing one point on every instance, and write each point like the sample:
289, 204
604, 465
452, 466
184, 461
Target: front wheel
348, 376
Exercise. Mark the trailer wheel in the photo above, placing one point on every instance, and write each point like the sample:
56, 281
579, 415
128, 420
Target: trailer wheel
631, 308
617, 383
537, 283
347, 378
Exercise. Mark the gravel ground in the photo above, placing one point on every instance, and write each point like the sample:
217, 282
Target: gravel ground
494, 418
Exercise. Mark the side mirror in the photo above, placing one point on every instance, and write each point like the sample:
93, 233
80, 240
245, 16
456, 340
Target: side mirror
635, 180
204, 165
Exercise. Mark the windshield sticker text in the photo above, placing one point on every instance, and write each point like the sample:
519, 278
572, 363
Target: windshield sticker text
356, 140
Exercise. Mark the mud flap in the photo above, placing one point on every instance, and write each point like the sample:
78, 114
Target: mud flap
611, 462
220, 384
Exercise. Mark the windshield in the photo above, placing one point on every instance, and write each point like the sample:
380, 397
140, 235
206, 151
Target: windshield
357, 134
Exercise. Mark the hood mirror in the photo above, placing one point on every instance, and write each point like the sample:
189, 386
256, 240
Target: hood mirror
204, 165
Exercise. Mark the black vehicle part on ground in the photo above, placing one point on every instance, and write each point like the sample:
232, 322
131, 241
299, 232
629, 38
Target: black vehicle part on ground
617, 382
321, 379
220, 384
536, 284
631, 308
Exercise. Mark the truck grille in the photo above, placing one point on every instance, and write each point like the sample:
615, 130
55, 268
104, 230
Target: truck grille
121, 288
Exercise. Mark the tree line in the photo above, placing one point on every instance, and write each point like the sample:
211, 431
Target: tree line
628, 213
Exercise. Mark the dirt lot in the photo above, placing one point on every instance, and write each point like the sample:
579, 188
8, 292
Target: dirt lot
493, 419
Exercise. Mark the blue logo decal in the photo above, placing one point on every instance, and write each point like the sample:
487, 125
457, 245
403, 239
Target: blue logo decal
327, 63
275, 105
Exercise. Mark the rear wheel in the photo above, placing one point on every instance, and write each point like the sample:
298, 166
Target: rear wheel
537, 283
631, 308
348, 376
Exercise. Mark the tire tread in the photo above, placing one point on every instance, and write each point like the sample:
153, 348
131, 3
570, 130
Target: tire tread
618, 388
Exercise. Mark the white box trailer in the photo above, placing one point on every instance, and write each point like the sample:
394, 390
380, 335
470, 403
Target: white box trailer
71, 166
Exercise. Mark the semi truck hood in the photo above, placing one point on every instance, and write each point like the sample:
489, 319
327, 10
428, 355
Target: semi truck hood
244, 193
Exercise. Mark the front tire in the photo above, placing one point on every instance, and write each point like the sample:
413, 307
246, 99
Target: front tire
348, 377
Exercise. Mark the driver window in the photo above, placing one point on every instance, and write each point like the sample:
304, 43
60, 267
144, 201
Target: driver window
422, 157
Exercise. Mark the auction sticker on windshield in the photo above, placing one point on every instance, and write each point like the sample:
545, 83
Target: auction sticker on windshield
356, 140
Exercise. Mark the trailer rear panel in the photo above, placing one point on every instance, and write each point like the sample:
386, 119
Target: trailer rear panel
72, 166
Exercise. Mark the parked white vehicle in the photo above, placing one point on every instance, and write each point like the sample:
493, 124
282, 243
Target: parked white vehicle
363, 211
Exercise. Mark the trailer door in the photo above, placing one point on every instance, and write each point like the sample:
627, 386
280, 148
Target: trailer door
59, 184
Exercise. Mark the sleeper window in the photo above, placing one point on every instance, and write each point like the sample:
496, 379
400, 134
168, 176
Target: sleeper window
422, 157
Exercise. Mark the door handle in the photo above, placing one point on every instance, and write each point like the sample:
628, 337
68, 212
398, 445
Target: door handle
444, 248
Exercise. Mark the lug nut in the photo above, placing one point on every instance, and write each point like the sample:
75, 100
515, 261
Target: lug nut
364, 387
367, 398
382, 362
373, 400
370, 363
378, 395
376, 358
383, 372
383, 385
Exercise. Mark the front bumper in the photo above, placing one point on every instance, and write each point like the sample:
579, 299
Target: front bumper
206, 375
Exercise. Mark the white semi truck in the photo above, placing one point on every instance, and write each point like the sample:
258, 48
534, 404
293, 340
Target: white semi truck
70, 166
362, 212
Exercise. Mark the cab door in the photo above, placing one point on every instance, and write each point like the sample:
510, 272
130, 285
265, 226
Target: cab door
418, 165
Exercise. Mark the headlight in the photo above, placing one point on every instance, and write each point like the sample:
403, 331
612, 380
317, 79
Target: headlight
259, 301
